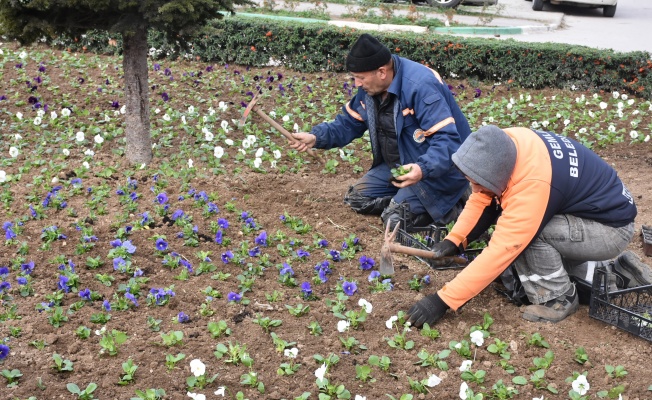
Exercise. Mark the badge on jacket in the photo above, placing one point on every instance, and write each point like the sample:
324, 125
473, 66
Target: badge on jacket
419, 135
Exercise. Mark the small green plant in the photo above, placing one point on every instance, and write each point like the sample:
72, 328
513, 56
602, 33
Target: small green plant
615, 372
130, 371
537, 340
298, 310
330, 361
234, 354
281, 344
398, 341
154, 324
60, 364
580, 355
477, 377
289, 368
363, 373
251, 379
172, 338
39, 344
315, 328
332, 391
354, 317
86, 394
267, 323
499, 347
83, 332
429, 332
382, 362
543, 362
502, 392
426, 359
400, 170
11, 376
149, 394
219, 328
172, 360
462, 348
111, 340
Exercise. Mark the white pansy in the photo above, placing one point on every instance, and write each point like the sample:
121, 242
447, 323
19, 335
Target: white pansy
22, 55
224, 125
86, 165
591, 114
272, 164
98, 139
464, 387
116, 113
535, 124
321, 371
286, 118
190, 163
433, 380
211, 111
633, 134
291, 353
65, 112
595, 95
603, 105
196, 396
37, 121
581, 385
19, 115
366, 305
14, 152
251, 139
566, 122
157, 110
620, 105
89, 153
220, 391
246, 144
18, 136
208, 135
53, 115
229, 142
466, 365
343, 325
55, 180
107, 118
615, 95
545, 123
528, 98
197, 367
257, 162
183, 119
222, 105
647, 138
629, 102
3, 176
218, 151
477, 338
204, 118
358, 397
538, 398
272, 114
582, 130
635, 112
611, 128
101, 331
65, 152
123, 110
277, 154
79, 136
40, 113
458, 345
509, 106
191, 109
259, 152
390, 322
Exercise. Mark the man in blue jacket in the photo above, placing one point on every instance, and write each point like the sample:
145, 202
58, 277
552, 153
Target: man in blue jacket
414, 122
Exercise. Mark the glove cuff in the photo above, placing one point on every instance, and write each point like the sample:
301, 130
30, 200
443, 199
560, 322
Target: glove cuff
437, 302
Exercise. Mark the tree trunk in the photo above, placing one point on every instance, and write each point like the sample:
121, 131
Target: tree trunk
134, 64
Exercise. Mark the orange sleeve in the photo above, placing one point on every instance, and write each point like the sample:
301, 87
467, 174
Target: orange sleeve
524, 204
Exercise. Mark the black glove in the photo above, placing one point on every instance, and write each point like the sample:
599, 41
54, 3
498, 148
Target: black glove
445, 248
427, 310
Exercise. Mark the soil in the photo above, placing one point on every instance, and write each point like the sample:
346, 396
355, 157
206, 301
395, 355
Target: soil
316, 199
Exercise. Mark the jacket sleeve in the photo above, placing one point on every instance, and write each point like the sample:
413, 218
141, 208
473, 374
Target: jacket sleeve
435, 117
524, 210
349, 125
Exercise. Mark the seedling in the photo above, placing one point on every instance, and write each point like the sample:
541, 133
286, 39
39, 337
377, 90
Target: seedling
218, 329
537, 340
172, 338
110, 342
60, 364
149, 394
171, 360
267, 323
382, 362
427, 359
580, 355
86, 394
130, 370
11, 376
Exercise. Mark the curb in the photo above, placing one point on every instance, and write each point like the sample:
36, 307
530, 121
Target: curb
466, 30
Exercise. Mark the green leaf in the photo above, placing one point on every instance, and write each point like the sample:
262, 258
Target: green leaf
519, 380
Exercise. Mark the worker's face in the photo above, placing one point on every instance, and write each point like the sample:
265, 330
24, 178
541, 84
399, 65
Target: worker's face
478, 188
373, 82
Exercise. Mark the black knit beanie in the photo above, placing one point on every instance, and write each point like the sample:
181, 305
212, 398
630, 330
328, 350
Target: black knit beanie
367, 54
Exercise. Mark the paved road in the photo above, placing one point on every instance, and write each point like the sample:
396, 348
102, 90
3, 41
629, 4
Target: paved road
629, 30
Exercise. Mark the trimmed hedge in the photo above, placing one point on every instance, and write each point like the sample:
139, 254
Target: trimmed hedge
315, 47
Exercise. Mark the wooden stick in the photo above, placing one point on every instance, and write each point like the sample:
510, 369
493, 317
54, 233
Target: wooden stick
281, 129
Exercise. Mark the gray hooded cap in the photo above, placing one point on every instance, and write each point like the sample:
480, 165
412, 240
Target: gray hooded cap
488, 157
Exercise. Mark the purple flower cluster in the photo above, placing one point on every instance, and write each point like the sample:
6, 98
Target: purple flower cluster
349, 288
323, 269
366, 263
9, 232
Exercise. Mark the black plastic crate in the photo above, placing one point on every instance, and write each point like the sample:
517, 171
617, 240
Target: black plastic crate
628, 309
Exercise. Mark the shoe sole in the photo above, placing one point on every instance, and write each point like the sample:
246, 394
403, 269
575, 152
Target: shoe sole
535, 317
629, 266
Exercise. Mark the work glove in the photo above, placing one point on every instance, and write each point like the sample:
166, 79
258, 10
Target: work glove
428, 310
445, 248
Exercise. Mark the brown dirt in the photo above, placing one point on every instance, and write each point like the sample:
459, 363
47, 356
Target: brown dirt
315, 198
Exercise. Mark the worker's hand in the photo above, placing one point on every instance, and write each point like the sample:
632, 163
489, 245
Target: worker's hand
304, 141
410, 178
428, 310
445, 248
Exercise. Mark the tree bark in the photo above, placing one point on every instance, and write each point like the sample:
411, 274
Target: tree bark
134, 64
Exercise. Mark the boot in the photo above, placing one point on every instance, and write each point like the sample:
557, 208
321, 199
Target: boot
366, 205
553, 310
393, 215
631, 270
